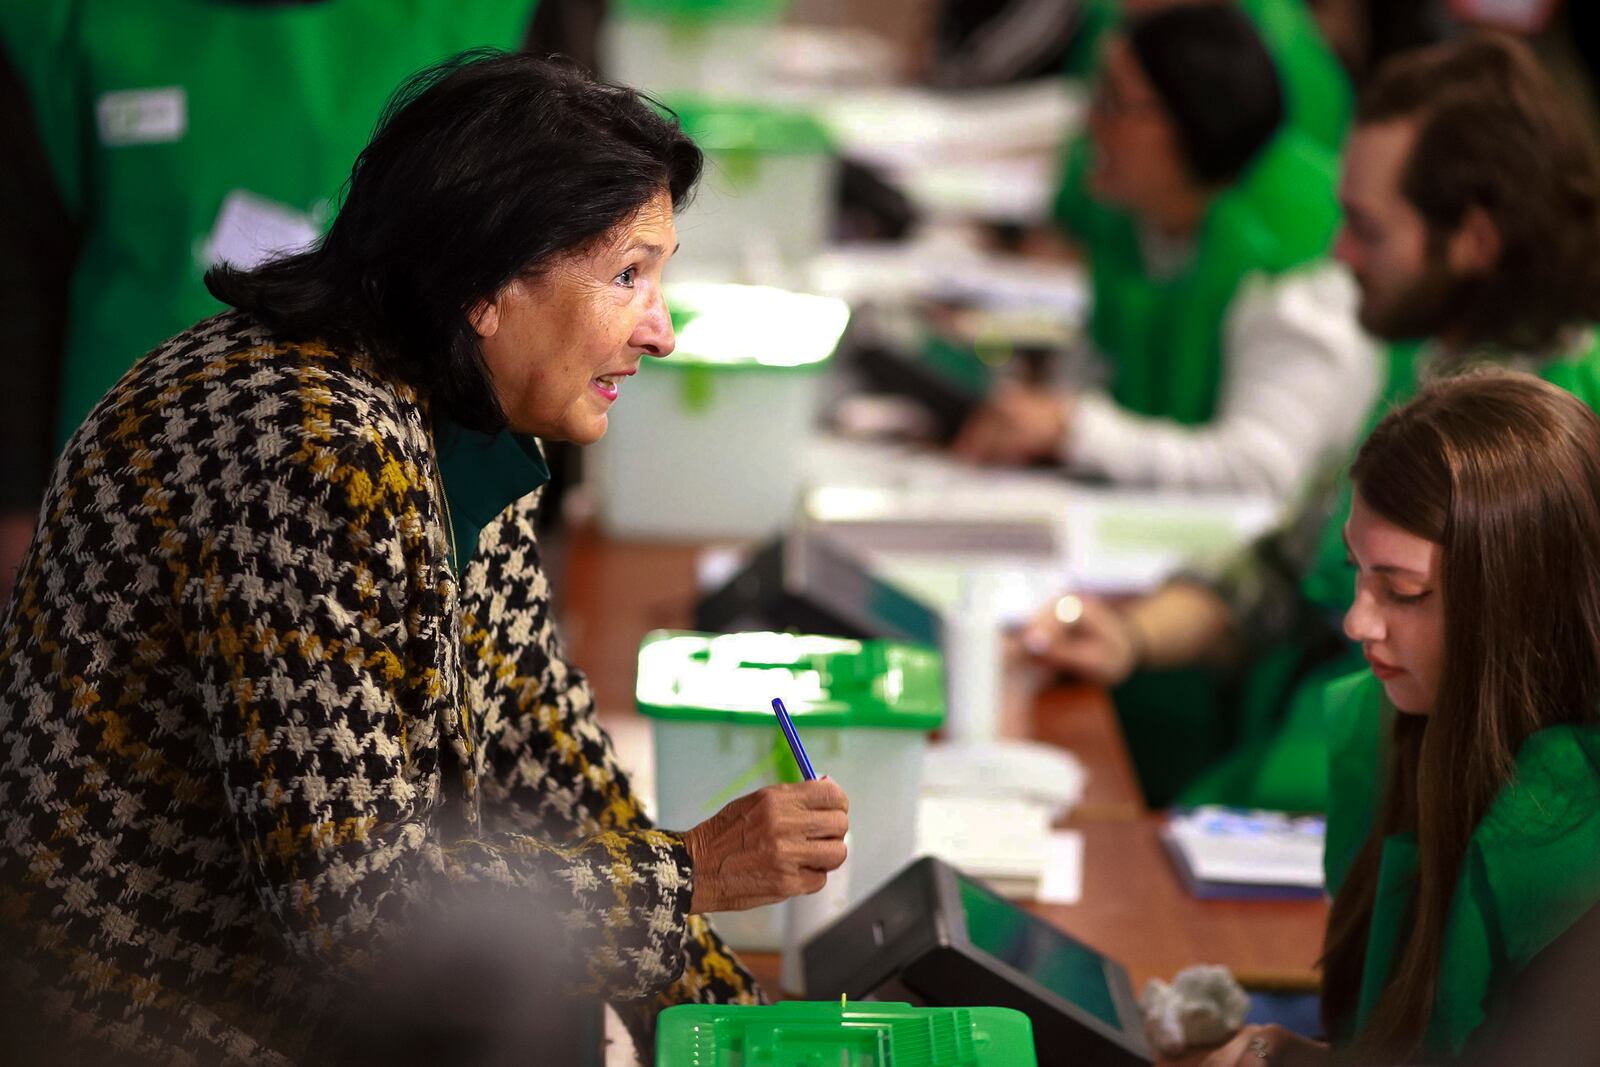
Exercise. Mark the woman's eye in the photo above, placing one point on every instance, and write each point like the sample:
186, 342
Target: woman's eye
627, 276
1408, 598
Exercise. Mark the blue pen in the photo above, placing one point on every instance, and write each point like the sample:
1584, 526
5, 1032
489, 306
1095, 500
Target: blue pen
786, 724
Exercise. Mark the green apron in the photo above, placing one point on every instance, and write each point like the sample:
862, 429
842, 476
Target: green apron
1163, 335
1532, 867
1317, 96
1280, 758
180, 128
1164, 340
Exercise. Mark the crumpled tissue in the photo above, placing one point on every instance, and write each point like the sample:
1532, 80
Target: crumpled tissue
1202, 1006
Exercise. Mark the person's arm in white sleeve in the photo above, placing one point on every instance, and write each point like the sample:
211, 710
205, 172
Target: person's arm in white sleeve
1298, 381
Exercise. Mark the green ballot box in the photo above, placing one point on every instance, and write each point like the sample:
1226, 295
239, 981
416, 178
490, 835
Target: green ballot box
712, 441
863, 710
665, 47
765, 199
833, 1034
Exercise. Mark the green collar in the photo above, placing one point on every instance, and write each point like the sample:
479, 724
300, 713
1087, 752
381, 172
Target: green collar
483, 475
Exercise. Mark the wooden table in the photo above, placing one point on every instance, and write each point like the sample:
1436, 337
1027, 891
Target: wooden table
1134, 907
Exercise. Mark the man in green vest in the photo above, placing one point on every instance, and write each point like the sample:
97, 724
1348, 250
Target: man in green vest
1471, 195
178, 134
1230, 342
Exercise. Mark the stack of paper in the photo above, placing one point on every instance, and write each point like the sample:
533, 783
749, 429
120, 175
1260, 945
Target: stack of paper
1002, 841
1130, 540
1223, 853
986, 153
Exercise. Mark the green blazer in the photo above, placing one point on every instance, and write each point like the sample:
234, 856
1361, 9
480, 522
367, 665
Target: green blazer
1532, 868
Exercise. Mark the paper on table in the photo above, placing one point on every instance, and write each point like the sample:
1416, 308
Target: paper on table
1105, 540
1003, 840
1250, 848
901, 128
1128, 541
945, 269
1063, 868
987, 153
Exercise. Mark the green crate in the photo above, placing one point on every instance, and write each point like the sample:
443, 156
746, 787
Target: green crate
836, 1034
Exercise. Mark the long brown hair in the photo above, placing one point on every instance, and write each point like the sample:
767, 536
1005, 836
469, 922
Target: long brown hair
1502, 470
1495, 133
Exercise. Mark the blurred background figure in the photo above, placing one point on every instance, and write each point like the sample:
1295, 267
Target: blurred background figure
150, 141
1454, 241
1230, 342
1363, 33
1316, 92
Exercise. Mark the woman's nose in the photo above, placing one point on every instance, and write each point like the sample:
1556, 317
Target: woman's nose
654, 334
1362, 623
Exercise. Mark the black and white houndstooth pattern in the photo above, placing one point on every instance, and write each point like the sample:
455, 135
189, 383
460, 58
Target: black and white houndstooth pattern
252, 730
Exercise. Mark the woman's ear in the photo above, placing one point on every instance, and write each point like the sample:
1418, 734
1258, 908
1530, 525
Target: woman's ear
485, 318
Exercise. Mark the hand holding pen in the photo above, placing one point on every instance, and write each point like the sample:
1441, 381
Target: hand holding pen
770, 845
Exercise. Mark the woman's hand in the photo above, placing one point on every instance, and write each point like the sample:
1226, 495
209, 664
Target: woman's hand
1269, 1046
1086, 638
1017, 425
768, 846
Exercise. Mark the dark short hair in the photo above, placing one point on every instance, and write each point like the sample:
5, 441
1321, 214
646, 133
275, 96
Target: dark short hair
1217, 81
483, 168
1495, 133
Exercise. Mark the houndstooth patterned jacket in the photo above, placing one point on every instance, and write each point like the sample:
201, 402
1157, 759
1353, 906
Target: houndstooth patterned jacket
252, 729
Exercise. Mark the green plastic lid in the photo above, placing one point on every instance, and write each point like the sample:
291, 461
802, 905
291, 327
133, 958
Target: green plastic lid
753, 327
825, 1034
753, 129
701, 10
828, 681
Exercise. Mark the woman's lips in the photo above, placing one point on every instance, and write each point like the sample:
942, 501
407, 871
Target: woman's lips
607, 385
1384, 671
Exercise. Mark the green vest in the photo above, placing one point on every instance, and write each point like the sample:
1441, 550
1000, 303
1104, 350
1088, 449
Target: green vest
1532, 867
1163, 335
178, 128
1281, 760
1318, 99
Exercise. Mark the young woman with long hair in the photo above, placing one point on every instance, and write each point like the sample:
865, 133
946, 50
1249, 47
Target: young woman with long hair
1464, 823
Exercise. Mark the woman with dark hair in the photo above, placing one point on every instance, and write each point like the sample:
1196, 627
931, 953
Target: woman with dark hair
1464, 824
1316, 90
279, 683
1232, 356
